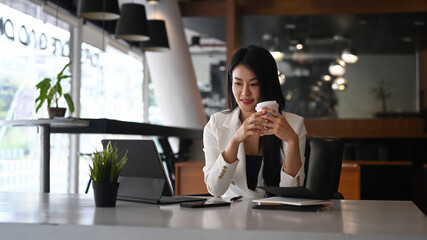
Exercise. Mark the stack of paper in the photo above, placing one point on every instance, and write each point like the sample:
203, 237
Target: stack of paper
291, 201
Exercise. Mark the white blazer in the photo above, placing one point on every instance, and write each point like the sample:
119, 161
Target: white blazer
229, 180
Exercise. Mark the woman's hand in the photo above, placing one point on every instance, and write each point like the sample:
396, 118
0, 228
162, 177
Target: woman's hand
250, 127
277, 124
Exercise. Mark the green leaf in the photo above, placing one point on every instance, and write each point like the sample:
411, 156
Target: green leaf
50, 96
44, 84
59, 76
112, 171
63, 77
70, 102
49, 102
40, 105
59, 90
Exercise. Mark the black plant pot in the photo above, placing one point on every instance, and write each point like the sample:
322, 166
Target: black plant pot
105, 194
56, 112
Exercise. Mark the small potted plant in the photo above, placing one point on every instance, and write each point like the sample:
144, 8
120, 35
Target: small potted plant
51, 91
382, 93
104, 174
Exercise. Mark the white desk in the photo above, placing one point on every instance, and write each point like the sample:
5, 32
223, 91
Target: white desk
68, 216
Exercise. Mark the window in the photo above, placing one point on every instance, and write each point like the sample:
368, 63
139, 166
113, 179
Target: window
35, 43
111, 87
111, 84
30, 49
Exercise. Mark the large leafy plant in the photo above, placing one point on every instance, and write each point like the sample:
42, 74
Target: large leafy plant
106, 165
51, 91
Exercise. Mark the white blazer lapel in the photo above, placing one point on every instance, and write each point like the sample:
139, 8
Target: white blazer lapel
229, 127
232, 125
233, 121
240, 175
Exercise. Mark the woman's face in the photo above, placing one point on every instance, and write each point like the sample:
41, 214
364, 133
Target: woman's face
245, 87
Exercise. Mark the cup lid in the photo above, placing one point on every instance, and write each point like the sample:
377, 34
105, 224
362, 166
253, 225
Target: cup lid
270, 104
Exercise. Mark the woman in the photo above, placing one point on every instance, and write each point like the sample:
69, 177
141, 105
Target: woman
244, 148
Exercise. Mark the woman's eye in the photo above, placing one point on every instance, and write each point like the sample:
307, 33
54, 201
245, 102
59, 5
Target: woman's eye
237, 83
254, 84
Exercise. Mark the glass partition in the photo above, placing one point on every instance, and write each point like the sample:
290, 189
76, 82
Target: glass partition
206, 40
111, 84
30, 50
111, 87
382, 79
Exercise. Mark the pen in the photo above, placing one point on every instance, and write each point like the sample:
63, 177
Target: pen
235, 198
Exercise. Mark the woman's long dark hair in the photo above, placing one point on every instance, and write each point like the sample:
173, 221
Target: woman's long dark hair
264, 66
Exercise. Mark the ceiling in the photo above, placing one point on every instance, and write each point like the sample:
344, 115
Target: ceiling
389, 33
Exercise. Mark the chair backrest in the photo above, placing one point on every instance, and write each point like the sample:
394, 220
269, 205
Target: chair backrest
323, 161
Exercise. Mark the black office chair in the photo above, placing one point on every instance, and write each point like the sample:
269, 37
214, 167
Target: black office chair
323, 160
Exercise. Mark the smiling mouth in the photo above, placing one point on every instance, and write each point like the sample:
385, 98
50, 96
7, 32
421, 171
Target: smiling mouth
247, 101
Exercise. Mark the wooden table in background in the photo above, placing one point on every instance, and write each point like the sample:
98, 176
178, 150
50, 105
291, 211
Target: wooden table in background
189, 178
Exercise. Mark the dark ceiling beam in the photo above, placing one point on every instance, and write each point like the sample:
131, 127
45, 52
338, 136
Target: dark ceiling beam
203, 9
302, 7
305, 7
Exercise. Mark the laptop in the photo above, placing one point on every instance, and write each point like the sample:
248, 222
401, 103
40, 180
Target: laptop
144, 178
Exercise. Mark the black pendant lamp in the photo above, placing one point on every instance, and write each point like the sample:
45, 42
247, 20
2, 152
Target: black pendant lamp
132, 25
158, 37
100, 9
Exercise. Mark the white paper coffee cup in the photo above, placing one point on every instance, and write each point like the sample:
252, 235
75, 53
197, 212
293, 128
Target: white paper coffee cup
269, 104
